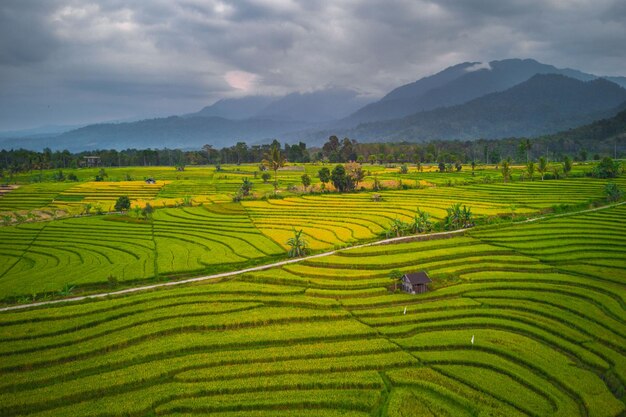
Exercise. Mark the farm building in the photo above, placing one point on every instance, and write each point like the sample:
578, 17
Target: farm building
416, 282
91, 161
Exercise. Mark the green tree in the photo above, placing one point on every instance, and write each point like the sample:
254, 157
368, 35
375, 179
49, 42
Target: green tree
266, 177
339, 178
583, 155
404, 169
567, 165
607, 168
542, 167
395, 275
397, 228
421, 222
324, 176
246, 187
298, 246
458, 217
355, 174
274, 160
147, 211
506, 170
613, 192
122, 203
530, 169
372, 159
526, 146
306, 181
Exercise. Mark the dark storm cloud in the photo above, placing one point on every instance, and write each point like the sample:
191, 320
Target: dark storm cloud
74, 61
25, 38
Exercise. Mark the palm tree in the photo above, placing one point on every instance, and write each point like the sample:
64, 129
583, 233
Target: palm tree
467, 218
397, 228
275, 159
421, 222
530, 169
458, 217
506, 170
526, 146
543, 167
246, 186
298, 244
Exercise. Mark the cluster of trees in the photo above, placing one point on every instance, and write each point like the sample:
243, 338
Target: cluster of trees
448, 154
454, 153
457, 217
343, 177
22, 160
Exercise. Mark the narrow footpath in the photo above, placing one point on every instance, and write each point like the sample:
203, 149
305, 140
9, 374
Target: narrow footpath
429, 236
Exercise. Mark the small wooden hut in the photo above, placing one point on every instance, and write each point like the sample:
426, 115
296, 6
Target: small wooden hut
415, 282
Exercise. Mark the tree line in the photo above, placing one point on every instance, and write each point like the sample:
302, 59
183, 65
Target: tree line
334, 150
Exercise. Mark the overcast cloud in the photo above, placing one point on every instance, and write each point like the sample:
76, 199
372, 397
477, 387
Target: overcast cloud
72, 62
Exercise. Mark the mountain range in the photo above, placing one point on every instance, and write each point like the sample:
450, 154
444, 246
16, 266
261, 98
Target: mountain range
546, 103
467, 101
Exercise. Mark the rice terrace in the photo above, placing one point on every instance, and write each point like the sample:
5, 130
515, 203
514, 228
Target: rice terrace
292, 208
522, 317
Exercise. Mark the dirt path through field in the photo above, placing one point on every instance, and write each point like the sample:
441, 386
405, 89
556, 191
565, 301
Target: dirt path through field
429, 236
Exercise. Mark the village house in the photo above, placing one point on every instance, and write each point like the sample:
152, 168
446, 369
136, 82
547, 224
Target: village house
91, 161
415, 282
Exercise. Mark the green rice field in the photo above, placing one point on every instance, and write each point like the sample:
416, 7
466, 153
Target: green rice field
524, 318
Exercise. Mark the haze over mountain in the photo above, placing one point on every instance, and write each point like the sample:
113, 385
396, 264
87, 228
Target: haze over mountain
310, 107
235, 108
502, 98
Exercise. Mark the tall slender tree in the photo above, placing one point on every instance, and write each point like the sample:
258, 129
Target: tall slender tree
542, 167
530, 169
274, 160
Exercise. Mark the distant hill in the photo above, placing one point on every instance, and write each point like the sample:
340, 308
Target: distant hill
170, 132
311, 107
235, 108
314, 107
542, 105
609, 129
457, 85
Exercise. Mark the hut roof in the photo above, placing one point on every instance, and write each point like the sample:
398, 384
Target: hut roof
418, 278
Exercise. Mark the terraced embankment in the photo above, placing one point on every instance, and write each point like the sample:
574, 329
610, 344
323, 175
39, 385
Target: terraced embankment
544, 301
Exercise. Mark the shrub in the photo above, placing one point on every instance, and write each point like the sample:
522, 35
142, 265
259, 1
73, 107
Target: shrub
613, 192
112, 281
147, 211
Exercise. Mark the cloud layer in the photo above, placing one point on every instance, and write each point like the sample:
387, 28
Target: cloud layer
70, 61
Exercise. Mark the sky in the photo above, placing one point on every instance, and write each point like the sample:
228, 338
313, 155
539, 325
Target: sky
72, 62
